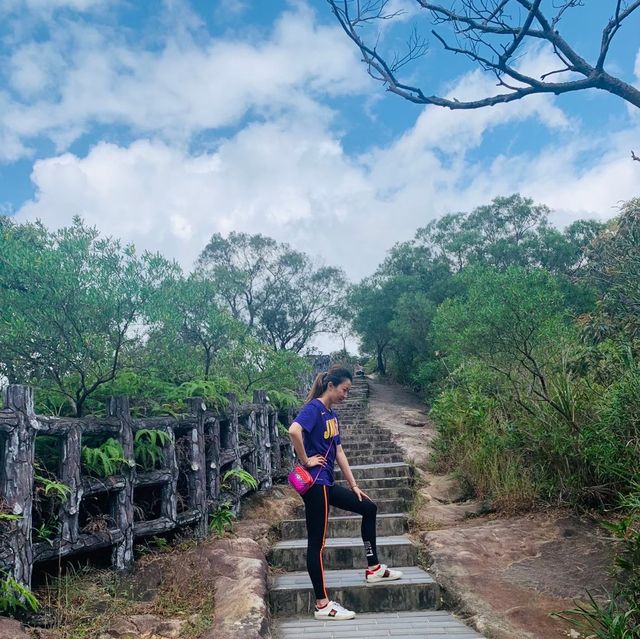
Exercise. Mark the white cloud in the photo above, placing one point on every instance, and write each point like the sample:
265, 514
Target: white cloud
292, 180
87, 74
288, 181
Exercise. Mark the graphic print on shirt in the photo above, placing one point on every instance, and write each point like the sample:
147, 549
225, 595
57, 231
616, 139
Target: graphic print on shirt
331, 428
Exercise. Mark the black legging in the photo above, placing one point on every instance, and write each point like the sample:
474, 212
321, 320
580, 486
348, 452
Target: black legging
317, 501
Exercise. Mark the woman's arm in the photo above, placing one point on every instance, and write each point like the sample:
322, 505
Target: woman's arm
295, 435
343, 463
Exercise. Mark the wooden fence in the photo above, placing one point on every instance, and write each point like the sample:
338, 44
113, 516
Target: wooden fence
111, 512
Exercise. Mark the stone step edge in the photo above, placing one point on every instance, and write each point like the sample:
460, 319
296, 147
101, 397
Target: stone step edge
382, 465
335, 578
351, 517
418, 624
346, 542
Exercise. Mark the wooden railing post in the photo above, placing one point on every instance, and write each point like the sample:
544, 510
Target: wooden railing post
18, 479
274, 438
212, 453
122, 555
265, 476
198, 480
70, 475
234, 444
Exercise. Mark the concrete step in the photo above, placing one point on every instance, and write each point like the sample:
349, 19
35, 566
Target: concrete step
356, 438
347, 434
423, 624
353, 448
347, 526
344, 552
367, 458
369, 471
397, 492
385, 506
292, 594
380, 482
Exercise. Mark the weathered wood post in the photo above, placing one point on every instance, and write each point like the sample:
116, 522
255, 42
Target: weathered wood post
212, 453
122, 554
274, 439
263, 449
20, 425
70, 475
198, 477
169, 505
234, 445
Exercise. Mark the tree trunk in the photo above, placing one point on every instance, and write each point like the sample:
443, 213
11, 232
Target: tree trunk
381, 366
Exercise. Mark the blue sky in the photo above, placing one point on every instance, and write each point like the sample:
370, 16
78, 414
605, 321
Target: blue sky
162, 122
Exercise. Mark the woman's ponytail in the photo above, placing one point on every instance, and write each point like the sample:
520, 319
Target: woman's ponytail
336, 375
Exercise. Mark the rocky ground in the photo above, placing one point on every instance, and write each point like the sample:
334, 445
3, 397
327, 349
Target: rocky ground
505, 574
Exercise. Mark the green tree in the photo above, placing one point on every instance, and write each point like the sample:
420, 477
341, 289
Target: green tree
515, 323
510, 231
278, 292
374, 300
254, 366
72, 306
614, 269
187, 320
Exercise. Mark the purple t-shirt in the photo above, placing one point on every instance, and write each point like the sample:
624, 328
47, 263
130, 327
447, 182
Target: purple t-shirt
320, 433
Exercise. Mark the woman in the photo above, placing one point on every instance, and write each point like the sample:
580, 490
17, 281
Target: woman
315, 435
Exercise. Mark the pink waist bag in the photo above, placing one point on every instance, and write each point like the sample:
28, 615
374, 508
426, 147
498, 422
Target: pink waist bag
300, 478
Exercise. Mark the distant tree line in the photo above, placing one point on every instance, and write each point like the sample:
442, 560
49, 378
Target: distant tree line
84, 316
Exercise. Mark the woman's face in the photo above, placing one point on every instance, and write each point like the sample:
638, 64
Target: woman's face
340, 392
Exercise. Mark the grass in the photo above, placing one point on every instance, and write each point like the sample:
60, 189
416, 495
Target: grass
85, 602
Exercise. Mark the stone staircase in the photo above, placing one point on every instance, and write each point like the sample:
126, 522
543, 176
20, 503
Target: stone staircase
405, 608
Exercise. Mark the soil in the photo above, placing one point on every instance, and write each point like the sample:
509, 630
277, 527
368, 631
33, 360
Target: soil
505, 574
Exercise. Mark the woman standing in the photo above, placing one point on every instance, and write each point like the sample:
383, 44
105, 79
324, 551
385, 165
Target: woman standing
315, 435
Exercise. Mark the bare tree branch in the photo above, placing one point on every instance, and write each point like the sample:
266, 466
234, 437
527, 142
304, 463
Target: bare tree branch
493, 34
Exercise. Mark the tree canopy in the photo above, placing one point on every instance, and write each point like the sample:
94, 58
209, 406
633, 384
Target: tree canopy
72, 305
283, 297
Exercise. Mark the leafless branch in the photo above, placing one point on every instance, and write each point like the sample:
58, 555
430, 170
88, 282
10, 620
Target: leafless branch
635, 157
492, 34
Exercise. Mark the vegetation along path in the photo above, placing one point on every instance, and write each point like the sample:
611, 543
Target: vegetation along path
405, 608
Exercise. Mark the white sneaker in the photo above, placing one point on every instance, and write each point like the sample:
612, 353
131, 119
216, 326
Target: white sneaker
382, 573
334, 611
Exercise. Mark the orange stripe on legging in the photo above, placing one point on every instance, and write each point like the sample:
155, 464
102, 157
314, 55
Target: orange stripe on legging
324, 536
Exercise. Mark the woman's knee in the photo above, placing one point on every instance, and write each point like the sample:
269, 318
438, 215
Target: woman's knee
369, 508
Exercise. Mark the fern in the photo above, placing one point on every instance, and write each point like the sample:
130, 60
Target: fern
241, 475
212, 390
221, 519
53, 488
104, 460
283, 399
148, 447
14, 596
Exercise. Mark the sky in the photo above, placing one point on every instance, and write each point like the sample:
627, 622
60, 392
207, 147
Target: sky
164, 121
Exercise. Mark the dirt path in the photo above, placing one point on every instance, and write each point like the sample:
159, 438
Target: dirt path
506, 574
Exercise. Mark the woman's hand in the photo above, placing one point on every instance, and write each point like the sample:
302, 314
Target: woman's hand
359, 493
316, 460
